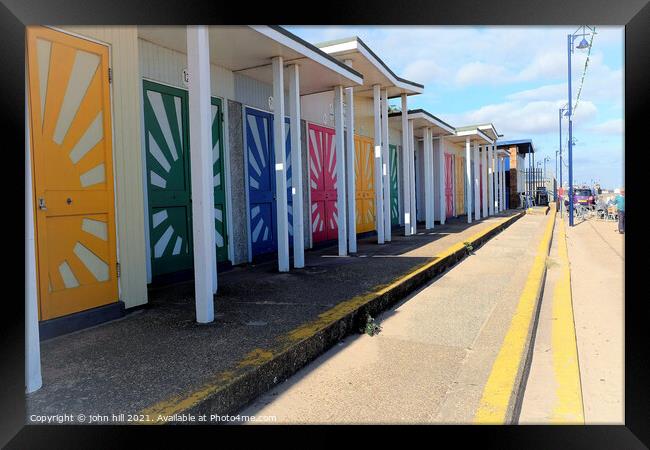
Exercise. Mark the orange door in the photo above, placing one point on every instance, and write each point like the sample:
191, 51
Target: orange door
364, 170
460, 185
70, 124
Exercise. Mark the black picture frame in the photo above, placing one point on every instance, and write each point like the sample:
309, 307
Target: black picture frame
633, 14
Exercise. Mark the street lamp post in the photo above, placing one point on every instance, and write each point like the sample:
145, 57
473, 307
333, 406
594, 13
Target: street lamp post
583, 44
546, 158
557, 152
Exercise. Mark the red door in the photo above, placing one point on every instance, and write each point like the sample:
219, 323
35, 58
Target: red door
449, 184
322, 179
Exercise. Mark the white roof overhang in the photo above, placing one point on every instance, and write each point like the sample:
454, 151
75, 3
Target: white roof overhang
421, 120
249, 50
475, 136
374, 70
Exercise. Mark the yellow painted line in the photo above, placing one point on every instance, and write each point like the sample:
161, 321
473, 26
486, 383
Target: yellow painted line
569, 406
164, 410
498, 391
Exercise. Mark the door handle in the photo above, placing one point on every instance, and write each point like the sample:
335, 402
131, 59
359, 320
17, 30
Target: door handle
41, 204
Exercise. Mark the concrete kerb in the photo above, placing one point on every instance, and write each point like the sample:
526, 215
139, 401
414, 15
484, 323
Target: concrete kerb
524, 370
262, 369
503, 393
539, 210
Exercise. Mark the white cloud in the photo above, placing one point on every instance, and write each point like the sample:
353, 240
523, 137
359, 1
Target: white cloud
614, 126
477, 72
424, 70
547, 92
517, 119
547, 64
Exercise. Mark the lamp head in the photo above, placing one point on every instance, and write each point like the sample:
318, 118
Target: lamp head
582, 44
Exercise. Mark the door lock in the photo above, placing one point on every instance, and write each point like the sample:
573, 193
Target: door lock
41, 204
69, 201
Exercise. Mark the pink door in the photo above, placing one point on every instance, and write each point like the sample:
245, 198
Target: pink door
322, 179
449, 185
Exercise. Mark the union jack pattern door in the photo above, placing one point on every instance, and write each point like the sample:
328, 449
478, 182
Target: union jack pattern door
322, 180
449, 185
365, 184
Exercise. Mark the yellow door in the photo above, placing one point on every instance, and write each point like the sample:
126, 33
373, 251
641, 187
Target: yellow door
460, 185
364, 169
70, 124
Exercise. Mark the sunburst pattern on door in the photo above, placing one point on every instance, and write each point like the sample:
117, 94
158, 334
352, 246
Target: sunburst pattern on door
218, 181
394, 188
449, 184
364, 168
72, 163
459, 182
261, 180
168, 178
322, 180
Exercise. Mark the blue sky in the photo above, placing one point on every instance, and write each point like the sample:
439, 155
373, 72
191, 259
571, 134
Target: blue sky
514, 77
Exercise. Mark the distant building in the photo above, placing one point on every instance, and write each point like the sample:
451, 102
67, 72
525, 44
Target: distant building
516, 180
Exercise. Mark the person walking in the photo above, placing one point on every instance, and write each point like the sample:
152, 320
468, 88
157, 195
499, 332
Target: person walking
620, 206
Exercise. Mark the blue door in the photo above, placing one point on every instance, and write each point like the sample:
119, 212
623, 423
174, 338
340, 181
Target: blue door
261, 181
287, 158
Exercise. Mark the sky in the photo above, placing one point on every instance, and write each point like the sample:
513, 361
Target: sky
514, 77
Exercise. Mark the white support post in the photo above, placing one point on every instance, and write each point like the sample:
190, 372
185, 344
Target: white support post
428, 178
413, 145
385, 156
205, 274
484, 180
349, 164
378, 178
406, 171
33, 378
491, 179
281, 204
477, 188
296, 167
441, 181
498, 172
432, 196
340, 171
468, 179
503, 183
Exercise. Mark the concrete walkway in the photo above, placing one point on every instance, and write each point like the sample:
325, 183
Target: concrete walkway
160, 359
597, 282
577, 370
431, 361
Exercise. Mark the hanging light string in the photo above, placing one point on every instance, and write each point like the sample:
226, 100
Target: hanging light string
584, 71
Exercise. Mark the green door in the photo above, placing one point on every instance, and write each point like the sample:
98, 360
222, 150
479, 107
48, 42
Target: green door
218, 181
168, 178
394, 194
166, 130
